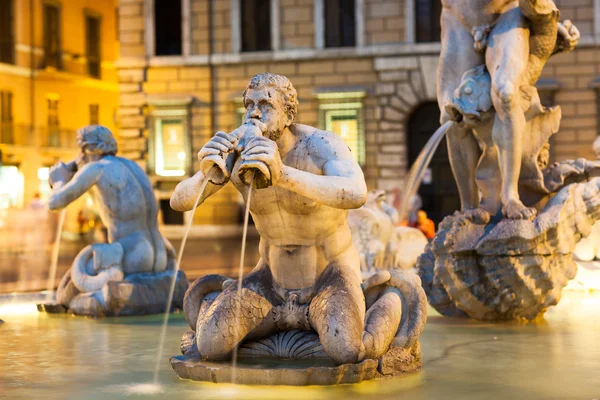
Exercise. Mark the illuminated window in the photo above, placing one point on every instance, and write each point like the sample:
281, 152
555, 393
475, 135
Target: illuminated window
346, 120
171, 155
11, 186
43, 186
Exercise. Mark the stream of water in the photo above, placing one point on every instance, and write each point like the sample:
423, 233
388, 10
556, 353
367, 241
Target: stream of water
163, 331
417, 171
238, 307
55, 251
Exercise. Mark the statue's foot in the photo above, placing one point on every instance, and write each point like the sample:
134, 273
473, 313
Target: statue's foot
514, 209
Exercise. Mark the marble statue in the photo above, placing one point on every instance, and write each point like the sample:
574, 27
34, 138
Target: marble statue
306, 293
588, 248
132, 273
380, 242
501, 45
495, 260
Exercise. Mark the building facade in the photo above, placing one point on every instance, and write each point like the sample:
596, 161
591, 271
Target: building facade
364, 69
57, 74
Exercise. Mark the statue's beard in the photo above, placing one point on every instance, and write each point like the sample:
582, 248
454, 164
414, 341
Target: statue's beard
274, 135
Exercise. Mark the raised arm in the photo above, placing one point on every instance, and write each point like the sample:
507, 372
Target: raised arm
187, 191
64, 194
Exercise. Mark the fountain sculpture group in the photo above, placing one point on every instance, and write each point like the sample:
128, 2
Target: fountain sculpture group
304, 315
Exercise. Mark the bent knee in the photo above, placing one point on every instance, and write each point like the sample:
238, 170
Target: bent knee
341, 344
211, 343
505, 94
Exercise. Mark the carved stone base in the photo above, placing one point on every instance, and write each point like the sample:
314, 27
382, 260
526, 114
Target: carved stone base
137, 294
294, 358
508, 269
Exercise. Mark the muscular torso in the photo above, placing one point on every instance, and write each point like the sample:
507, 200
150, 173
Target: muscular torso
474, 13
299, 236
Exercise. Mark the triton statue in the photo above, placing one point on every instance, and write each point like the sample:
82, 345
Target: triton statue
132, 273
308, 279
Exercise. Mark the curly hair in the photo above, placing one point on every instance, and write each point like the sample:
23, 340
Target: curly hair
99, 138
279, 82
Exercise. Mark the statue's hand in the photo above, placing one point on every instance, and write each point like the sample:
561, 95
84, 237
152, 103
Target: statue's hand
262, 149
568, 36
60, 172
215, 153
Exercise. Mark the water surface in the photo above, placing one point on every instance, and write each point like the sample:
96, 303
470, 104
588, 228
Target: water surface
64, 357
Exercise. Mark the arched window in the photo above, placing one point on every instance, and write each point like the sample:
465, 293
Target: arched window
427, 20
438, 190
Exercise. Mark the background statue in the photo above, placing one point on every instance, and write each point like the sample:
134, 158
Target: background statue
588, 248
308, 277
124, 197
380, 242
480, 264
509, 42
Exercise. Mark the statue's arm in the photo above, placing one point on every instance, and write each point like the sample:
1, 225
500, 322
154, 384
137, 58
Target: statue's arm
342, 184
187, 191
64, 194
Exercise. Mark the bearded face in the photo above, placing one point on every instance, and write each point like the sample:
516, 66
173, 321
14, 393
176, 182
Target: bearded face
267, 105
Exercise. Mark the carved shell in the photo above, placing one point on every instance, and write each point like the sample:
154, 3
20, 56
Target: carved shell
513, 269
294, 344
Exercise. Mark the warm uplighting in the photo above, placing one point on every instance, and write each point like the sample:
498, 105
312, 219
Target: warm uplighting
18, 308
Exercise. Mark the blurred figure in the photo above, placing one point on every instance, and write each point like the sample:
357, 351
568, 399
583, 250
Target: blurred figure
414, 206
36, 202
425, 225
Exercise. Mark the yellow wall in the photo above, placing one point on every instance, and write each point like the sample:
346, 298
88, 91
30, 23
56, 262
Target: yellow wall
75, 90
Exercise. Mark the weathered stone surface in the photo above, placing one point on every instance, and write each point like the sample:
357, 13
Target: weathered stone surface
275, 371
509, 269
295, 358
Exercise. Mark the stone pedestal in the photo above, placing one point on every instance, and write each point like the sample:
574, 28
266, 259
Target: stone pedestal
293, 358
509, 269
137, 294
